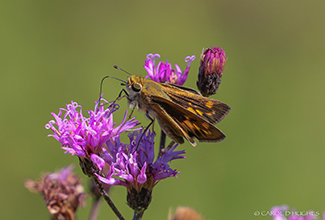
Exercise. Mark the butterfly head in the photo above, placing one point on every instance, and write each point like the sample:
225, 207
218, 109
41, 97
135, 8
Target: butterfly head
134, 84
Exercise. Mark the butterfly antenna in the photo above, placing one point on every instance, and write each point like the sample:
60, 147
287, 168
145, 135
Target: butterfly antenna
101, 83
116, 67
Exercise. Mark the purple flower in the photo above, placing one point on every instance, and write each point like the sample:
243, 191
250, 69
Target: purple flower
132, 165
213, 61
163, 72
87, 136
62, 192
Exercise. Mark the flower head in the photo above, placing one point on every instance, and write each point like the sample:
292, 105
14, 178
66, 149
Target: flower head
62, 192
132, 165
163, 72
86, 136
213, 61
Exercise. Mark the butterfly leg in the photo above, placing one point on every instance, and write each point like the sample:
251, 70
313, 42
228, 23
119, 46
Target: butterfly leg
163, 150
119, 97
152, 121
145, 130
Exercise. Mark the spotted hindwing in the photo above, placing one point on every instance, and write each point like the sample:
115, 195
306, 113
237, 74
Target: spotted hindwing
185, 123
212, 110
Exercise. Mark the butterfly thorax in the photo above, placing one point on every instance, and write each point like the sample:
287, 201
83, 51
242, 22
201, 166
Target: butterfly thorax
141, 90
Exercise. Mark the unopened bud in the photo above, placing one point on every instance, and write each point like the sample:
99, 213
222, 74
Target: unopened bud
213, 61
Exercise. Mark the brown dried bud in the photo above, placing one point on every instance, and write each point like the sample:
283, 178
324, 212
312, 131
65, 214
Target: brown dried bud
62, 191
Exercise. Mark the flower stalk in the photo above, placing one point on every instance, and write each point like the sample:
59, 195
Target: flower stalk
107, 198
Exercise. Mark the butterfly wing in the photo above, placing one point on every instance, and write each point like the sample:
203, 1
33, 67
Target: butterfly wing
185, 123
211, 110
168, 125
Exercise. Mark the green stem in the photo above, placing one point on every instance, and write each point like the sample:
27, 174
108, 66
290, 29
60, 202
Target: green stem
162, 144
137, 215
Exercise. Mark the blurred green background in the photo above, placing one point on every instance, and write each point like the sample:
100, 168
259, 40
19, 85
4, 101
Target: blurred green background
53, 52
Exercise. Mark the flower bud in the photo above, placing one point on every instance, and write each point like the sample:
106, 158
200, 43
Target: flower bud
213, 61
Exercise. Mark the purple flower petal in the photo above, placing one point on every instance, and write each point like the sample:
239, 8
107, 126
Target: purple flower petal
163, 72
83, 136
100, 163
135, 161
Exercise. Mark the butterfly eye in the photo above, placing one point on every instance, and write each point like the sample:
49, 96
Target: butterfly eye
136, 87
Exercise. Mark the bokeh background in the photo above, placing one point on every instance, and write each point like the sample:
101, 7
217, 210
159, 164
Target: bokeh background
53, 52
